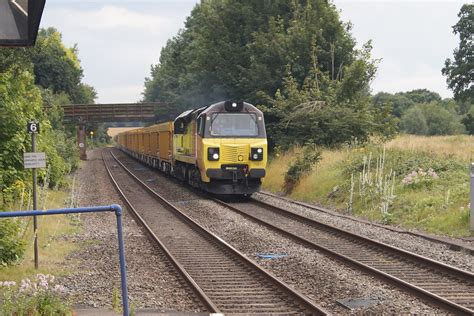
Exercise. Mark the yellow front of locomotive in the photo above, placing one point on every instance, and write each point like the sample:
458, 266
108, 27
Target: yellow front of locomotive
232, 148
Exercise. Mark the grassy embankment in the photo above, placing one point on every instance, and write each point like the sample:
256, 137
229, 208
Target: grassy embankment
394, 185
52, 248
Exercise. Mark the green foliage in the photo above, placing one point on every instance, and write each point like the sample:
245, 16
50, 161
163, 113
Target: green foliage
20, 101
240, 49
468, 121
402, 162
303, 164
326, 111
55, 66
440, 195
441, 188
58, 68
57, 71
459, 72
413, 121
402, 101
420, 96
398, 102
296, 57
431, 119
12, 246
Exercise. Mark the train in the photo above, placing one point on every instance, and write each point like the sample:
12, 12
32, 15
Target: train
220, 148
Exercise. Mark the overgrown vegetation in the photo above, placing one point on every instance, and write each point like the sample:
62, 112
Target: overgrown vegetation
417, 182
34, 83
11, 244
301, 166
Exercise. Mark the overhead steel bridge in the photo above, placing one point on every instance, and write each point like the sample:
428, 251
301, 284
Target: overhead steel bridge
82, 114
117, 112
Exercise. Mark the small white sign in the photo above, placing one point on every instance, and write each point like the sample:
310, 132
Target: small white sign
34, 160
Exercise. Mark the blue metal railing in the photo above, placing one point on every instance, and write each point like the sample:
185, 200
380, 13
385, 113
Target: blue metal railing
109, 208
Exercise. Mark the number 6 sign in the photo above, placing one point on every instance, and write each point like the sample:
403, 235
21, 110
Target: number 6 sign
33, 127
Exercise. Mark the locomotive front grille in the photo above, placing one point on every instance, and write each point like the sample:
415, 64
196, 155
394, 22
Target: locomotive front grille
234, 153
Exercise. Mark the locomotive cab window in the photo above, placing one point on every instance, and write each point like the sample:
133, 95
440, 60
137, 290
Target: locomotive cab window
200, 125
179, 127
233, 124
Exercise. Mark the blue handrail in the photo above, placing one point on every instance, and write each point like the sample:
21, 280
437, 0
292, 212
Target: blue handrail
93, 209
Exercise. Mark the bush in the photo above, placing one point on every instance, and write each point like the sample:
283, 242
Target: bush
303, 164
12, 246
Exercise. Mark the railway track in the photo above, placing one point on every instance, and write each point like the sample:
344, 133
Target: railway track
451, 244
224, 279
443, 285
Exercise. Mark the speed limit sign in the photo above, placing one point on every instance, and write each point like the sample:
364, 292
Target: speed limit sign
33, 127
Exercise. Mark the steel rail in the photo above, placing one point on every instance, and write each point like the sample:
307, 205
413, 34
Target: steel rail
208, 303
458, 246
302, 299
440, 301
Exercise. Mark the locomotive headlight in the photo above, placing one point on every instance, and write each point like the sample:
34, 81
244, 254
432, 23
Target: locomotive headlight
256, 154
213, 153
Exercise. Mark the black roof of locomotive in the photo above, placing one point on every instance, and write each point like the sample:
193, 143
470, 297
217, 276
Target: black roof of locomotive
186, 116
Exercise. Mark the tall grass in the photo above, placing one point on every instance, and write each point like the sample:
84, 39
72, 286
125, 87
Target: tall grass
459, 146
52, 248
376, 187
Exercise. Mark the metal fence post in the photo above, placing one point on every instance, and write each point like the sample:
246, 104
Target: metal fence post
472, 196
111, 208
123, 270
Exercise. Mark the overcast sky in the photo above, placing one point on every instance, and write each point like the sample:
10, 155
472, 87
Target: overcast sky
119, 40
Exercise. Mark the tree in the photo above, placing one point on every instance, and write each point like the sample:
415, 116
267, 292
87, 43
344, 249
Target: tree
240, 49
58, 67
399, 103
421, 96
414, 122
20, 101
468, 121
441, 121
431, 119
460, 71
328, 112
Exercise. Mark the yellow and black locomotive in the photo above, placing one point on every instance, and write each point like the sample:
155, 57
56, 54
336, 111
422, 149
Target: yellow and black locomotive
221, 148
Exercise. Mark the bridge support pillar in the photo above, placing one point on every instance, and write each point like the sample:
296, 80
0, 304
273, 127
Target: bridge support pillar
81, 140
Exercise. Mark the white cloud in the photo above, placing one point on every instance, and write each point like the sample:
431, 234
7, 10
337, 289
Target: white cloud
121, 93
413, 39
112, 17
394, 75
117, 41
